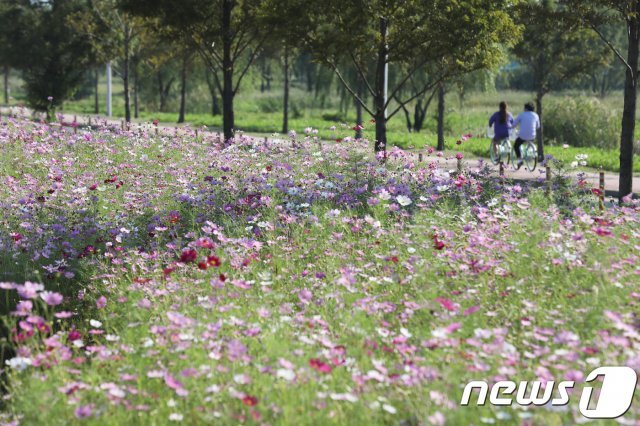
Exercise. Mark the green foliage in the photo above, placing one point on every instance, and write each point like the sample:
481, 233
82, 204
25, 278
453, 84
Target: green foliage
53, 57
582, 122
333, 116
553, 48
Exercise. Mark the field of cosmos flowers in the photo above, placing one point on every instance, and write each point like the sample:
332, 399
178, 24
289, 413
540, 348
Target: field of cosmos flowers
163, 279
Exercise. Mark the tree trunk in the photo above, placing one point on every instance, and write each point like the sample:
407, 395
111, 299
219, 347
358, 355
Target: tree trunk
96, 100
213, 91
421, 112
136, 89
360, 92
164, 91
125, 76
310, 69
540, 138
603, 87
6, 85
418, 116
441, 105
183, 89
227, 71
407, 118
285, 115
268, 78
630, 102
160, 88
380, 116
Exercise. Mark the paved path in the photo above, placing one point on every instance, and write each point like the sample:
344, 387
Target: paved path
591, 176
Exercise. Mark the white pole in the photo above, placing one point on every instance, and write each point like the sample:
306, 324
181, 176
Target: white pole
109, 112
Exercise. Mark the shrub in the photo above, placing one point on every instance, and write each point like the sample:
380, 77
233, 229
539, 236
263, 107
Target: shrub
270, 105
582, 122
333, 116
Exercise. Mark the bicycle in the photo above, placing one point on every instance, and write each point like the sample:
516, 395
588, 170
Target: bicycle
529, 152
500, 151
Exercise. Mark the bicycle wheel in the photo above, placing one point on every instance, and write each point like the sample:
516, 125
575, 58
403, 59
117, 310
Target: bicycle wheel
531, 156
505, 152
494, 153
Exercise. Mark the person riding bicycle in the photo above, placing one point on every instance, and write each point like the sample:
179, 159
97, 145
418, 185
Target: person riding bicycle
502, 121
529, 123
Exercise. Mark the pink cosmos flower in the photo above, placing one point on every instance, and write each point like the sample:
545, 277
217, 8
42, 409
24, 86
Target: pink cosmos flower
29, 290
175, 384
101, 302
305, 295
447, 304
320, 366
51, 298
83, 411
23, 308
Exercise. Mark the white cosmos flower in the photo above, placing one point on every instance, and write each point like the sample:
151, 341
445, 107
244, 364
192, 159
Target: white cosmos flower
176, 417
389, 408
286, 374
18, 363
384, 195
403, 200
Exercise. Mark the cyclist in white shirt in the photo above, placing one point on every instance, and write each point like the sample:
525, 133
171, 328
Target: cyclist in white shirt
529, 123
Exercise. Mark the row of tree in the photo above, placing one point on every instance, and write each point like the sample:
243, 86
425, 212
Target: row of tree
388, 55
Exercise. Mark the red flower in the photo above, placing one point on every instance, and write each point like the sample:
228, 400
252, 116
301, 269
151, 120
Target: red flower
222, 277
168, 271
320, 366
174, 217
214, 261
16, 236
437, 244
188, 256
155, 122
446, 303
74, 335
602, 232
93, 187
339, 140
250, 401
202, 265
